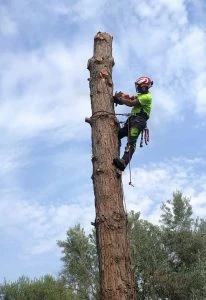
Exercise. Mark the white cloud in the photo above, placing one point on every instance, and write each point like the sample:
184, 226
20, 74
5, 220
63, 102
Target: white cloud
8, 26
85, 9
42, 91
61, 9
81, 11
165, 106
188, 53
37, 227
200, 93
174, 6
11, 159
155, 183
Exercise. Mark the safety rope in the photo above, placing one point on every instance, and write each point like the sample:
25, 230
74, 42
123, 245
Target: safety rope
102, 111
127, 115
126, 214
124, 201
130, 172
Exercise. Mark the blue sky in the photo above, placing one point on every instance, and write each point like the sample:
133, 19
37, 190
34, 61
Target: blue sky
45, 145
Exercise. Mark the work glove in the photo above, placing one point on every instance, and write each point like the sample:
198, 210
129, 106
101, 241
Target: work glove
117, 98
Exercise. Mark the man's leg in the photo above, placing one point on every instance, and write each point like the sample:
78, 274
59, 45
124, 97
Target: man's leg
134, 130
123, 132
136, 125
131, 145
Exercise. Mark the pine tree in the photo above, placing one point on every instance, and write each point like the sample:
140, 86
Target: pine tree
116, 278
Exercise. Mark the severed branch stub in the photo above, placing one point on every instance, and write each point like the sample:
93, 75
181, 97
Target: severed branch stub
88, 120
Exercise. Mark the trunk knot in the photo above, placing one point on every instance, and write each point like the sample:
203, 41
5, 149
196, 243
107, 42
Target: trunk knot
99, 171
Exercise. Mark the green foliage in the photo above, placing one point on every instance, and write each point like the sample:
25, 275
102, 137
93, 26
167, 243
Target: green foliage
169, 260
184, 240
80, 269
148, 257
46, 288
177, 213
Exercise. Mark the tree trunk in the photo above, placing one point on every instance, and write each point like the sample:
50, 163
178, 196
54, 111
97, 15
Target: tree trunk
116, 278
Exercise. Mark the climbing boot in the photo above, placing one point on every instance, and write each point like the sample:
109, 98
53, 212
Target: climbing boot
119, 163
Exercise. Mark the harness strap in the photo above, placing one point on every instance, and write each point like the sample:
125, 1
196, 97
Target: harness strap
140, 114
145, 136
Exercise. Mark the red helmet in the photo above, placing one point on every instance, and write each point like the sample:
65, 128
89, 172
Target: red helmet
144, 82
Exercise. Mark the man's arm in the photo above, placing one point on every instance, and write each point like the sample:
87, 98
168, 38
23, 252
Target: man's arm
132, 101
121, 98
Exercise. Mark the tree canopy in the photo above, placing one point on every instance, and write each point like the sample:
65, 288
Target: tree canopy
168, 259
45, 288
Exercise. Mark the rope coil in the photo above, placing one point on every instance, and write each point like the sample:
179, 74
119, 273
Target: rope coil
104, 112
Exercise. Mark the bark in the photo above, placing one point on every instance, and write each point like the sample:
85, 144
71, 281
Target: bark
116, 278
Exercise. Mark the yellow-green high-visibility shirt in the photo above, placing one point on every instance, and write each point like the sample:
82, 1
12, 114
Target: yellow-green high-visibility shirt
146, 104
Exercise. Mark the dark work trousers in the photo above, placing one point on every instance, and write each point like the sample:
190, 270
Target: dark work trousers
132, 129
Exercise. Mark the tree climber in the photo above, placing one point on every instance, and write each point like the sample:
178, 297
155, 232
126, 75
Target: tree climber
137, 120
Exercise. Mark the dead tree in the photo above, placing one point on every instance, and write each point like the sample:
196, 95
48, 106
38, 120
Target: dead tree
116, 278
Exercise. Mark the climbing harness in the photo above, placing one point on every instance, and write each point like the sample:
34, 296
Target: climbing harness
144, 132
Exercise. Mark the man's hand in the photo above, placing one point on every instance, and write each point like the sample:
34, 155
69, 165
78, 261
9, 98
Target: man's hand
117, 98
121, 98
